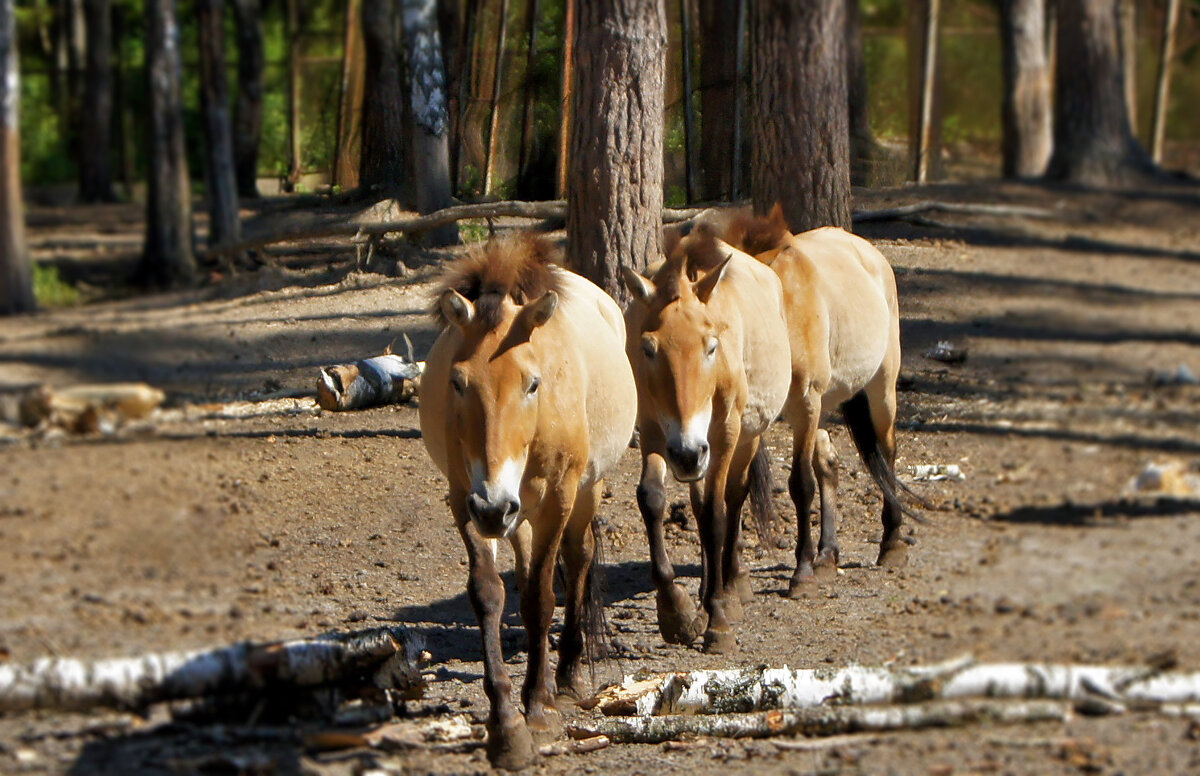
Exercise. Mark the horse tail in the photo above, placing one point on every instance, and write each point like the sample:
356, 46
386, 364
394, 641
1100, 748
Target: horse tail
856, 411
597, 635
762, 506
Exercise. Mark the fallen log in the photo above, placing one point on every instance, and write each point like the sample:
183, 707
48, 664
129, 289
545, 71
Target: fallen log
385, 379
91, 408
963, 208
574, 746
762, 689
383, 657
825, 721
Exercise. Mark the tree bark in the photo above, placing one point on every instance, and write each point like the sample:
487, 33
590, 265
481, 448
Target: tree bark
689, 110
295, 88
383, 169
489, 161
917, 33
1094, 143
1162, 84
567, 104
220, 179
866, 154
16, 280
168, 257
95, 166
249, 108
799, 112
525, 154
350, 106
615, 180
431, 149
718, 95
1026, 108
925, 110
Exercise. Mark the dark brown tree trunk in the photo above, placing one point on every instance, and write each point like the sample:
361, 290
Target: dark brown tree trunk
249, 108
168, 257
1093, 140
295, 90
718, 96
383, 171
126, 124
866, 154
95, 166
493, 144
430, 140
1026, 108
615, 179
799, 114
689, 109
16, 280
219, 177
526, 151
350, 106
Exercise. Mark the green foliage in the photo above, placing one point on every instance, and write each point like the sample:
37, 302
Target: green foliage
474, 230
50, 289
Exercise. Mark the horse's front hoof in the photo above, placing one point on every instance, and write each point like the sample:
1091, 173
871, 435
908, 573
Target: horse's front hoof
546, 726
825, 565
719, 642
510, 747
893, 557
803, 582
677, 616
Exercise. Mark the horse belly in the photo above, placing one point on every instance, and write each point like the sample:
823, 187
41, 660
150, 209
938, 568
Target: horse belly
858, 343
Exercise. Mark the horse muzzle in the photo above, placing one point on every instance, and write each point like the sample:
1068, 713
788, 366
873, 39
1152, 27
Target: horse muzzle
495, 518
688, 462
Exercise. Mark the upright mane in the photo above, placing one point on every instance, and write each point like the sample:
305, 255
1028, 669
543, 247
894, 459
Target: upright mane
689, 257
758, 234
520, 268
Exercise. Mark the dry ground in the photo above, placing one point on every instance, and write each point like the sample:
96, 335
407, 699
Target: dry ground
292, 522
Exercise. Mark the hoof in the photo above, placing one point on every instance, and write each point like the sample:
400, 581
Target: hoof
570, 692
895, 556
719, 642
741, 583
732, 603
826, 564
803, 583
677, 617
546, 727
510, 747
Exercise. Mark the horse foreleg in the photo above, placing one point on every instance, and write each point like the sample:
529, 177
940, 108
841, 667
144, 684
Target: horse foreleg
737, 576
677, 619
509, 745
713, 521
578, 554
825, 464
802, 483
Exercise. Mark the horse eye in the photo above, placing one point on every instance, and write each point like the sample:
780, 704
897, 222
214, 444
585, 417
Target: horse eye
534, 384
649, 347
457, 383
711, 347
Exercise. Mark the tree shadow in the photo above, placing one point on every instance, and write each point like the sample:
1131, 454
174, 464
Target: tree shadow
1132, 441
1071, 514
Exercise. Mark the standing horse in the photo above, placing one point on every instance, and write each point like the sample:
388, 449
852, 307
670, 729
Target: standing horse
844, 330
708, 342
526, 401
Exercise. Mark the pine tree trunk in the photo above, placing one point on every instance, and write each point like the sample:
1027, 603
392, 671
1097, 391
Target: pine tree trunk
350, 106
168, 257
382, 171
493, 143
866, 154
95, 165
220, 179
1026, 110
615, 180
718, 90
799, 112
431, 122
526, 152
16, 282
567, 103
1093, 139
249, 108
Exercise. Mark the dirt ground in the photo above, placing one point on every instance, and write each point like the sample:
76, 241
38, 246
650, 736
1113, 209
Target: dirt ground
284, 521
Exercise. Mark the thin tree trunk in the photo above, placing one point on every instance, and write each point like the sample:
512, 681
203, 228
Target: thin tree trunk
689, 111
738, 159
1162, 86
866, 154
431, 151
126, 123
95, 166
570, 31
615, 180
295, 89
917, 30
928, 78
525, 156
220, 179
1026, 109
451, 24
350, 106
489, 162
249, 109
1129, 54
383, 170
800, 112
168, 257
718, 96
16, 280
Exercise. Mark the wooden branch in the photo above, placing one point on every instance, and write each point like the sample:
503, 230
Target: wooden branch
578, 746
906, 211
383, 657
833, 720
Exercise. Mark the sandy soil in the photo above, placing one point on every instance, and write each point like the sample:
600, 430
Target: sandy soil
204, 530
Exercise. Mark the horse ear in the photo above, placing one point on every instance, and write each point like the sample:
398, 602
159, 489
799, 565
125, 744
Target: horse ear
536, 313
705, 286
457, 308
641, 288
776, 217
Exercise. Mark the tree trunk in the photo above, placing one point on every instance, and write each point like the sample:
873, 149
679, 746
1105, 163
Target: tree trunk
689, 110
718, 95
16, 281
168, 257
382, 170
489, 162
799, 112
1093, 139
526, 154
95, 166
295, 88
249, 109
350, 106
570, 32
1162, 84
925, 111
1026, 109
431, 148
219, 177
615, 180
866, 154
917, 33
126, 124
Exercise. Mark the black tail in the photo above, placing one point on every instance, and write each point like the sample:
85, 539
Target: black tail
762, 506
856, 411
596, 634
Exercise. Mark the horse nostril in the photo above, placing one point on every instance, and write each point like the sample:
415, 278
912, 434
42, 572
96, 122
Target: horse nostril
702, 450
511, 507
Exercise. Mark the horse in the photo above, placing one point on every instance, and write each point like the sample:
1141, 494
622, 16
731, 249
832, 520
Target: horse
527, 400
708, 342
843, 324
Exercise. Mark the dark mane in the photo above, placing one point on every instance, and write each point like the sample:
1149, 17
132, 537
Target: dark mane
519, 268
758, 234
692, 257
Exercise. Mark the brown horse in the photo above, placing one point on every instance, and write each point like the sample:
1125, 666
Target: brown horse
708, 342
526, 401
844, 330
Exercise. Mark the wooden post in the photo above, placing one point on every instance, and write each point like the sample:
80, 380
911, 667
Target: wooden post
928, 75
735, 157
564, 141
1162, 88
494, 116
689, 112
532, 13
349, 131
294, 81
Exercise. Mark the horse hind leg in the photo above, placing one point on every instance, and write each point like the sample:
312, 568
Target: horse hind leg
871, 417
825, 464
802, 484
678, 621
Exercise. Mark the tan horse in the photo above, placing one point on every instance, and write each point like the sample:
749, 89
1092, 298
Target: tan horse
526, 401
844, 331
708, 342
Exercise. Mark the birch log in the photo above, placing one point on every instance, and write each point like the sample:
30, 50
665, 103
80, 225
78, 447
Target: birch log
762, 689
834, 720
382, 657
371, 382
